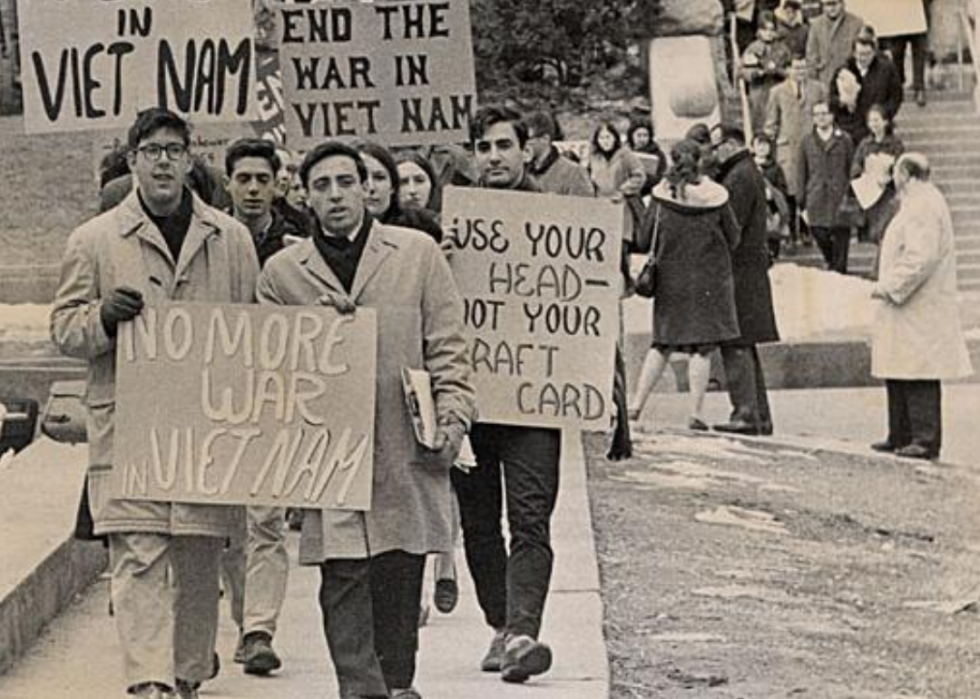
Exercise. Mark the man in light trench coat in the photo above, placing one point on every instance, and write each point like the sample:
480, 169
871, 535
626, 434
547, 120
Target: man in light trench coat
918, 340
161, 244
371, 563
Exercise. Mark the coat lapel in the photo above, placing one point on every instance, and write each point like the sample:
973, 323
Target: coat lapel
200, 230
315, 264
377, 249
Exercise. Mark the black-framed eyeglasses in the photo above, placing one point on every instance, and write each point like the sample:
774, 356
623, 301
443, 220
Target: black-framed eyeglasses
153, 151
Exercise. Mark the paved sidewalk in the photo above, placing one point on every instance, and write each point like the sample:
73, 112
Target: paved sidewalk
78, 657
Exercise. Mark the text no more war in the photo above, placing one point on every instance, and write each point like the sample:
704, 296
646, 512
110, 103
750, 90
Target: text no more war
288, 362
547, 295
332, 74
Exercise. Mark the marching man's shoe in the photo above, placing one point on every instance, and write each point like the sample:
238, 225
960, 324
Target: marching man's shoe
524, 657
494, 659
260, 658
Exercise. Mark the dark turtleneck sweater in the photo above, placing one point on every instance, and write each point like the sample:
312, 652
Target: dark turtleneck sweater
343, 255
174, 226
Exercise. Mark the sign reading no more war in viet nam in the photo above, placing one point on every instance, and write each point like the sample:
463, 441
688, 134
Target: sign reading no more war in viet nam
399, 72
246, 404
540, 280
94, 64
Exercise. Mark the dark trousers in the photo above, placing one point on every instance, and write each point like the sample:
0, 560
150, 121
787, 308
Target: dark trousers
919, 44
746, 385
915, 414
835, 243
370, 618
521, 464
622, 443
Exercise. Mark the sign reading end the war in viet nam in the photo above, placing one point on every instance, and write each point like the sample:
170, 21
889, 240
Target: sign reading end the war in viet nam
397, 72
540, 280
252, 405
91, 64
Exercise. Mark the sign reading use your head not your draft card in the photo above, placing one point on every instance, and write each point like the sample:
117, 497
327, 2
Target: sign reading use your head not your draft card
540, 280
397, 72
246, 405
92, 64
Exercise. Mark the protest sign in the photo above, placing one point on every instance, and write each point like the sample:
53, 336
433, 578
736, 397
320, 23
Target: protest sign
398, 72
891, 17
248, 405
540, 280
91, 64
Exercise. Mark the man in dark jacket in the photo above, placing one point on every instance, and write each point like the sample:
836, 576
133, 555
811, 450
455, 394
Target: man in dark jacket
753, 294
511, 586
877, 82
553, 171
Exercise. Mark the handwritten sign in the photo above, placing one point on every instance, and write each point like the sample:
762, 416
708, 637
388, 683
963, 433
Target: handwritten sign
248, 405
397, 72
539, 275
91, 64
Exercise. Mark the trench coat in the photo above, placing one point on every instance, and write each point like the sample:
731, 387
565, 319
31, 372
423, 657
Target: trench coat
750, 258
694, 299
405, 278
829, 45
788, 119
826, 178
917, 332
123, 247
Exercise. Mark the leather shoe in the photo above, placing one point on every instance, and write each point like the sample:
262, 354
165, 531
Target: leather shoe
260, 658
494, 658
915, 451
524, 657
446, 595
697, 425
738, 427
920, 98
187, 689
885, 447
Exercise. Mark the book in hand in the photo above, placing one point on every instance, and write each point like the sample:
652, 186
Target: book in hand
421, 406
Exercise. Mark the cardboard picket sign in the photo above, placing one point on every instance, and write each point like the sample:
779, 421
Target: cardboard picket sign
91, 64
540, 279
246, 405
891, 17
399, 72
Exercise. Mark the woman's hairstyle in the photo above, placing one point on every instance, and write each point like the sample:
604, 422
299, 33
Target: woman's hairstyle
699, 133
608, 126
686, 167
383, 156
637, 124
889, 126
413, 156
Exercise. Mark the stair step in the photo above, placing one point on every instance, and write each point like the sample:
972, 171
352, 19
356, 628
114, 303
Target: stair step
936, 145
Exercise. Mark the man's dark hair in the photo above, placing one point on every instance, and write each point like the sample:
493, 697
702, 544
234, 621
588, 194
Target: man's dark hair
541, 123
329, 150
496, 114
151, 120
252, 148
867, 37
732, 134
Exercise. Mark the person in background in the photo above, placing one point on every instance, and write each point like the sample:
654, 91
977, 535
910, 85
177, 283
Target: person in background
791, 26
615, 171
700, 133
453, 165
917, 337
867, 78
827, 156
788, 119
919, 42
553, 171
764, 65
417, 184
694, 231
383, 193
372, 563
777, 215
830, 40
753, 294
878, 151
147, 251
639, 137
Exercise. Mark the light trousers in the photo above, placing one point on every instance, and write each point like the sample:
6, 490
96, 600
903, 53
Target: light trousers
256, 568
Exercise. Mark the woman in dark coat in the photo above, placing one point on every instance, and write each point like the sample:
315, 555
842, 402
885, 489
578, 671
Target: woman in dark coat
692, 230
880, 141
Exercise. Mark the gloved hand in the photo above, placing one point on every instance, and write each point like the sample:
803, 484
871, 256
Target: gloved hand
122, 303
448, 439
342, 303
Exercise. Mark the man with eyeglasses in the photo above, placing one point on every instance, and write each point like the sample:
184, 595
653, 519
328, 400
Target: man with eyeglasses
161, 244
831, 39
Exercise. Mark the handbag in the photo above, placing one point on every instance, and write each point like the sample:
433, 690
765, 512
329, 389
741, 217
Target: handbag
646, 280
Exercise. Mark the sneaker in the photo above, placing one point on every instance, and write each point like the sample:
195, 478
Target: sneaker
524, 657
494, 659
187, 689
260, 659
446, 595
151, 690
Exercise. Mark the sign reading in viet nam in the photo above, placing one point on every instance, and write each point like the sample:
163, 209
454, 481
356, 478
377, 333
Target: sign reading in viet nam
253, 405
399, 72
540, 280
91, 64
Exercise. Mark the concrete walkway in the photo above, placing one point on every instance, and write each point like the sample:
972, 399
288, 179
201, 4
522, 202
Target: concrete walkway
78, 656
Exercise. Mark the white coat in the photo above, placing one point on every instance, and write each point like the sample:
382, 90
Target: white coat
917, 332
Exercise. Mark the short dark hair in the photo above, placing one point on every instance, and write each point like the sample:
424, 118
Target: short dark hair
492, 114
541, 123
867, 37
733, 133
152, 120
326, 150
766, 18
252, 148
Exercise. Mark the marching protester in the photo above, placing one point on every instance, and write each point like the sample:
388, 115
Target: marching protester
878, 151
551, 170
161, 244
777, 214
511, 582
827, 156
868, 78
372, 563
255, 564
744, 376
917, 338
690, 230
